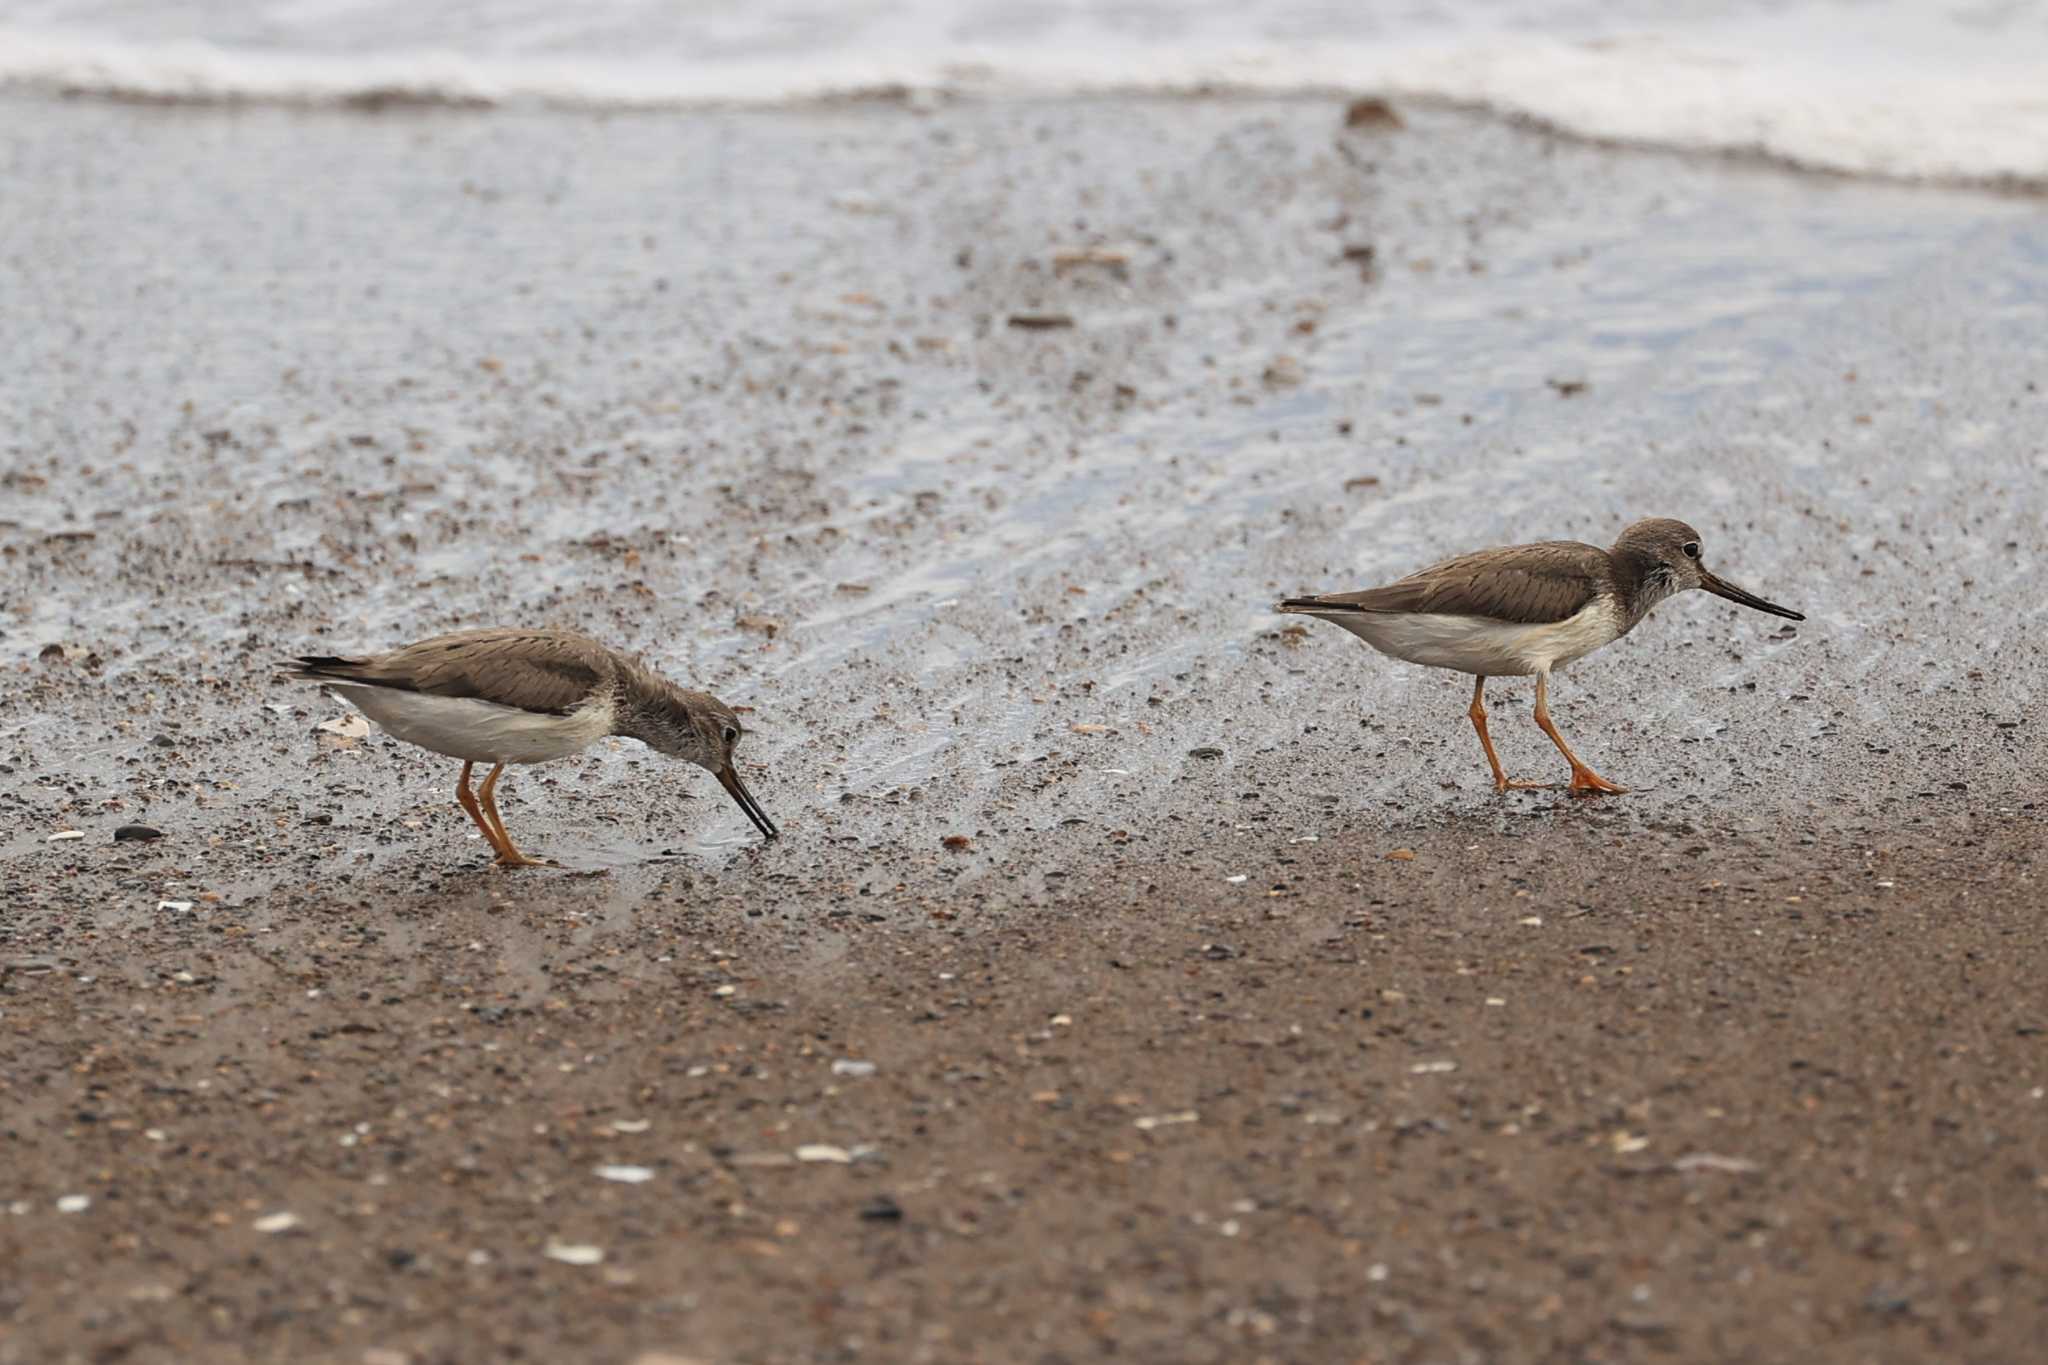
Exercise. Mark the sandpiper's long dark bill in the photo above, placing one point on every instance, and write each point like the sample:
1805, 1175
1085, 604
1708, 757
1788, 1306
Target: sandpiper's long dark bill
529, 696
1523, 609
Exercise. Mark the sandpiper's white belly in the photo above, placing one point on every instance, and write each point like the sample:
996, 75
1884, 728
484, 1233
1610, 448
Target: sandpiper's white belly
1473, 644
479, 731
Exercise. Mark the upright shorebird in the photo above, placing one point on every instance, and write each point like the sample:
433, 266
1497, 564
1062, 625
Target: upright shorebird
528, 696
1521, 609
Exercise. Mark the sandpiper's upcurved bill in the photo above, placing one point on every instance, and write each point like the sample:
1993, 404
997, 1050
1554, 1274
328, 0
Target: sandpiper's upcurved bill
1522, 609
529, 696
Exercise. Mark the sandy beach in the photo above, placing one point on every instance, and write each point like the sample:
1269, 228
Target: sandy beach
968, 443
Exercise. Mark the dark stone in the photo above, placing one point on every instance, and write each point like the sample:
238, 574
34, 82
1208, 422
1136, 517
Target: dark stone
1370, 111
881, 1209
137, 833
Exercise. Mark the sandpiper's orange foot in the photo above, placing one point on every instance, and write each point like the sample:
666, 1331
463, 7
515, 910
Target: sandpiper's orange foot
514, 858
1501, 781
1586, 782
508, 852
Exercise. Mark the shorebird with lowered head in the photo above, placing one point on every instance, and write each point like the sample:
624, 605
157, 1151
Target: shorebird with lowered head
529, 696
1522, 609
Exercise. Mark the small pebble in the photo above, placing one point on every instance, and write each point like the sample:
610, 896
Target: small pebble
136, 834
74, 1203
1708, 1161
881, 1209
847, 1066
625, 1175
824, 1151
1372, 112
570, 1253
276, 1222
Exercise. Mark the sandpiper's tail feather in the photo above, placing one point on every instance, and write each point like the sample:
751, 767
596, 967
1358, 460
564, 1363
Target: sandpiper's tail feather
1314, 606
321, 668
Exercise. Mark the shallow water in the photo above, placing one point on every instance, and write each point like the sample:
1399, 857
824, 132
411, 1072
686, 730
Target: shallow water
1898, 88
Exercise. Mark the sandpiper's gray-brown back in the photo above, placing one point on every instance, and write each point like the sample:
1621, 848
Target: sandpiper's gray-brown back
550, 672
1538, 584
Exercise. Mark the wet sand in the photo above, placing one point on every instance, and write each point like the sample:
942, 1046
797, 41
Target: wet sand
1174, 1060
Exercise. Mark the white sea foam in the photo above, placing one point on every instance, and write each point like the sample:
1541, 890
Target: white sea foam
1907, 88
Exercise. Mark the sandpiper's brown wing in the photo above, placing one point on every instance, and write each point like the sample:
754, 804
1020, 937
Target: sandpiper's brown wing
1528, 584
545, 671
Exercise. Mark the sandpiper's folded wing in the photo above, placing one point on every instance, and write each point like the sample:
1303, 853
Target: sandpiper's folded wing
547, 672
1526, 584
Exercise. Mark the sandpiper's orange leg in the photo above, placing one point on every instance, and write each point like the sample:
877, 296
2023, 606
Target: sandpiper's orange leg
1584, 780
468, 800
508, 853
1478, 714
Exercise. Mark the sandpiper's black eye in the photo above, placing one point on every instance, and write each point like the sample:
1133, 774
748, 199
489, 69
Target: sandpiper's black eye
1691, 548
732, 736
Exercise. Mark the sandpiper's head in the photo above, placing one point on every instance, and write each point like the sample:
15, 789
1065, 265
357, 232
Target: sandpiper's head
1666, 558
699, 728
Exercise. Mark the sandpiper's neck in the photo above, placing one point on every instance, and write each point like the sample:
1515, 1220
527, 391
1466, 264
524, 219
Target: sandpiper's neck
653, 710
641, 699
1638, 581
